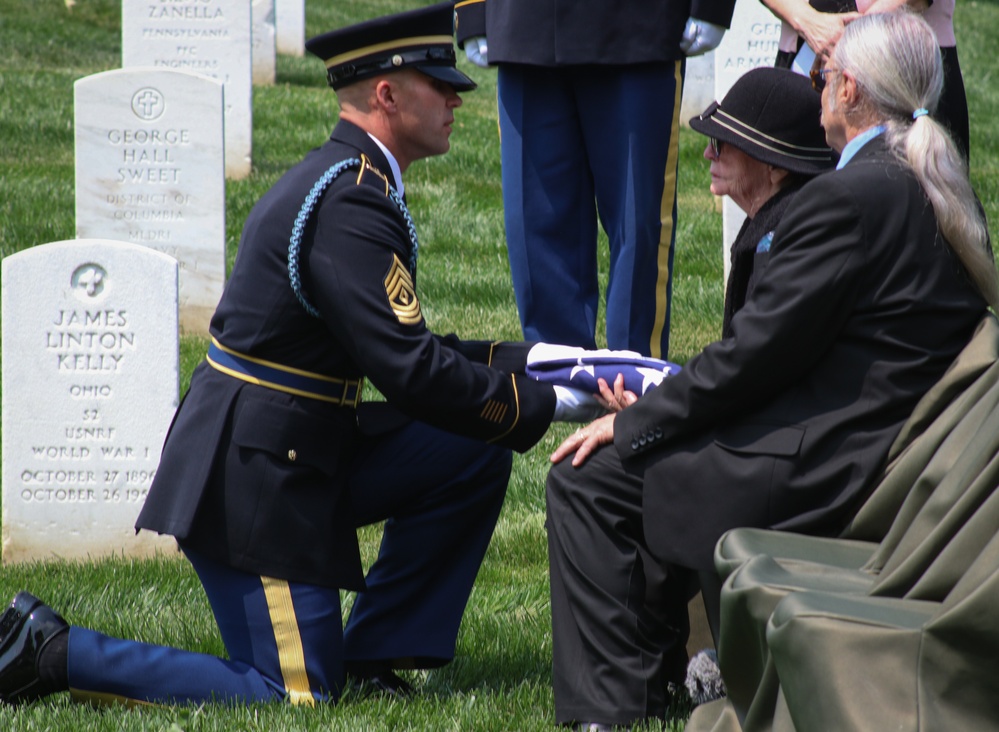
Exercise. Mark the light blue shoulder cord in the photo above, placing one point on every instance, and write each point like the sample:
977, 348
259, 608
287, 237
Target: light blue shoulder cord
295, 245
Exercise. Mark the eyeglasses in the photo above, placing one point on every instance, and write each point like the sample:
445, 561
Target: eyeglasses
716, 146
818, 77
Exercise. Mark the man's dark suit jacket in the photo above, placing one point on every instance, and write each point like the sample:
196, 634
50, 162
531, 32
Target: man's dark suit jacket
256, 477
786, 424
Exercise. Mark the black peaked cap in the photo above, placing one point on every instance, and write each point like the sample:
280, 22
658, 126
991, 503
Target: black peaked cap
420, 39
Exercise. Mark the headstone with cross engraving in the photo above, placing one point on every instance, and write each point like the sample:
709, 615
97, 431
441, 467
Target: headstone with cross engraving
209, 37
90, 384
264, 42
149, 170
289, 21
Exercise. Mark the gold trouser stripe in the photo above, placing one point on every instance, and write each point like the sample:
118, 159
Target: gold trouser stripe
291, 654
499, 130
666, 220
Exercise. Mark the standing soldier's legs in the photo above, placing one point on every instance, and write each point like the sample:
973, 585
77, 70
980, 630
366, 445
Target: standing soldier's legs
630, 123
549, 208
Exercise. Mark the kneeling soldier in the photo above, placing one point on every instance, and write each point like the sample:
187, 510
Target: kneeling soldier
272, 461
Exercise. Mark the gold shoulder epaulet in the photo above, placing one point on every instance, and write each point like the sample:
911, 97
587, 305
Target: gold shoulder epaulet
377, 178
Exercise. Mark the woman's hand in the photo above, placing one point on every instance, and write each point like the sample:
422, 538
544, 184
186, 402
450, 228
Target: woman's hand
585, 440
822, 30
616, 399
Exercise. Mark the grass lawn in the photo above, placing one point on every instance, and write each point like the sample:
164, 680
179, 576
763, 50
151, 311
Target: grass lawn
500, 679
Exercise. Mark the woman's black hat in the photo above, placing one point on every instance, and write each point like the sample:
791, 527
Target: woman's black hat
772, 115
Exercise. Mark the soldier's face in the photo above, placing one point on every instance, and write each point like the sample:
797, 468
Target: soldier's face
426, 114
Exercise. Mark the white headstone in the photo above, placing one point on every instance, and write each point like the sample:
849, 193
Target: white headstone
752, 41
290, 23
210, 37
90, 367
698, 86
150, 170
264, 43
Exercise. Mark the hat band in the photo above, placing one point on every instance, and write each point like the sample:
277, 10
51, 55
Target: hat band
754, 136
436, 56
387, 46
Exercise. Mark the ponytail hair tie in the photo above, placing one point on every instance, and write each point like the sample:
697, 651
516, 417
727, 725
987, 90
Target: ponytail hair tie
920, 112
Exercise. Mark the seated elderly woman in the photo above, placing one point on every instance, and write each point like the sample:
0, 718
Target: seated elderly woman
765, 144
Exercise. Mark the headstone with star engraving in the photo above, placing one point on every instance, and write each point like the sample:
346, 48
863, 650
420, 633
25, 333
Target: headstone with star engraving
90, 384
150, 170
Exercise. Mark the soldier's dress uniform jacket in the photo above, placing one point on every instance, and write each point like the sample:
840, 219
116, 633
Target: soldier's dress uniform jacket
574, 32
253, 476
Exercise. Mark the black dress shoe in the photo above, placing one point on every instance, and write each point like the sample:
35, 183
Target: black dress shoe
391, 684
26, 627
380, 680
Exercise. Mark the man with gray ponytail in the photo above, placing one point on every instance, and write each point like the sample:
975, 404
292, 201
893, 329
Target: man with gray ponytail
884, 78
877, 276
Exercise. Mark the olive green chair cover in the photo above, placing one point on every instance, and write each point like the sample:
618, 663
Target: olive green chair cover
738, 546
906, 479
936, 489
751, 594
869, 664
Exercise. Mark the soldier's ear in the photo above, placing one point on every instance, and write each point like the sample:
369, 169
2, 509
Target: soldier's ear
387, 93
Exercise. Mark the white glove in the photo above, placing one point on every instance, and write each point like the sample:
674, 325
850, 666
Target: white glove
477, 51
574, 405
699, 37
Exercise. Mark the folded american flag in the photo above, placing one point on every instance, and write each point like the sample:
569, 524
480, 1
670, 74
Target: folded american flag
580, 368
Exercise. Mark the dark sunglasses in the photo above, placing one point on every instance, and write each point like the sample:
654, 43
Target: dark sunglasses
818, 77
716, 146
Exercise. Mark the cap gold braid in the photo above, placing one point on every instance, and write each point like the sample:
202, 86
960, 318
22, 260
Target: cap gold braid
387, 46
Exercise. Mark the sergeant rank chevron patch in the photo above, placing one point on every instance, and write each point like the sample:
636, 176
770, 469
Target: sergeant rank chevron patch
401, 294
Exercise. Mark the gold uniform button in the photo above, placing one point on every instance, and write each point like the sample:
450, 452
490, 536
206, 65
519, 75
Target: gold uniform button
292, 455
